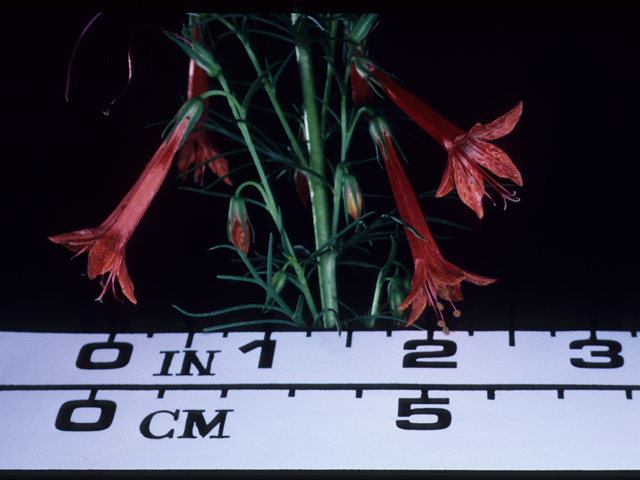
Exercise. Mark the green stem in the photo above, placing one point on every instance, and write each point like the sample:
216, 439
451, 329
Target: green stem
270, 92
319, 197
240, 115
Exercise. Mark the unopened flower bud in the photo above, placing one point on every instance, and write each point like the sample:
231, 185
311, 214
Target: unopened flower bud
205, 60
362, 27
406, 284
396, 297
278, 280
302, 186
200, 55
238, 229
352, 196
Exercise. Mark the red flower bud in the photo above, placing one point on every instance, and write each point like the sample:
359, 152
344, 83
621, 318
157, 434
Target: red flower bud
302, 186
352, 196
238, 229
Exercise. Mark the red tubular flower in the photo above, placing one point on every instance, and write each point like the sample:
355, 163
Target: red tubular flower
433, 275
471, 158
199, 147
107, 243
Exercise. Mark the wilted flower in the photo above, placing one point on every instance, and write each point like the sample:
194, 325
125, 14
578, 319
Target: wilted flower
199, 148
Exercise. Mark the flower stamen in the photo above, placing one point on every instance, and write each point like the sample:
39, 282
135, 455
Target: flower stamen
470, 164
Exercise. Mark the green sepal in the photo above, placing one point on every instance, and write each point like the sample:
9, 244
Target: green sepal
198, 54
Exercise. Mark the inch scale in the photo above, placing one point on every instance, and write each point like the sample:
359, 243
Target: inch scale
300, 400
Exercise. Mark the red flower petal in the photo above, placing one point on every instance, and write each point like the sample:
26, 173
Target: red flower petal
471, 158
107, 243
433, 275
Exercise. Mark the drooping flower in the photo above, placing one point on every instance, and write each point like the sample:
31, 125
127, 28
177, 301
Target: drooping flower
238, 228
106, 244
471, 157
199, 148
433, 275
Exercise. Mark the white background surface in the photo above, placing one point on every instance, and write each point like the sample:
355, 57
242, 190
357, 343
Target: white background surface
324, 429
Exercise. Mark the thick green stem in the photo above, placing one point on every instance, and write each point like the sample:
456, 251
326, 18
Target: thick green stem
319, 196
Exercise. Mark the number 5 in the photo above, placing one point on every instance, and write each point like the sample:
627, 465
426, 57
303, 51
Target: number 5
405, 410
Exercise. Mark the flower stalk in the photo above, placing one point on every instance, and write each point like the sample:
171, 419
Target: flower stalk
321, 162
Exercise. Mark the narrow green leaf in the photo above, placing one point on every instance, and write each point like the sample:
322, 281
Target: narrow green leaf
256, 84
227, 310
243, 324
297, 316
380, 280
405, 224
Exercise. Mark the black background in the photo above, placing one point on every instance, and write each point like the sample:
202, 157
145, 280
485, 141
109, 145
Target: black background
565, 256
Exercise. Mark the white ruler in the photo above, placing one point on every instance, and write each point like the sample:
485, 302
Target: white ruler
293, 400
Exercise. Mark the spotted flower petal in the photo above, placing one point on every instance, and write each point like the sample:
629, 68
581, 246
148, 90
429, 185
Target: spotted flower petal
107, 243
433, 275
471, 159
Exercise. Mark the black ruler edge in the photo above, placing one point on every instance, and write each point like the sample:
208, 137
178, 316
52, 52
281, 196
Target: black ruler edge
324, 386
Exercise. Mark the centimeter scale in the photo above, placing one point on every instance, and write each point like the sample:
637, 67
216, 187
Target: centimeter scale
301, 400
